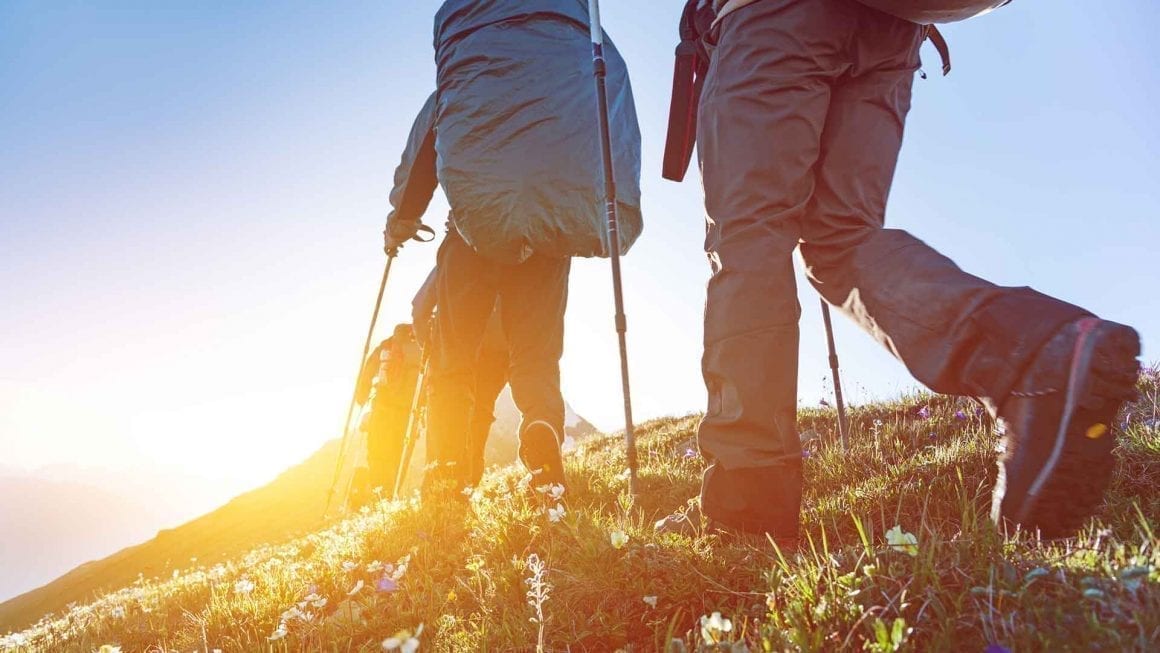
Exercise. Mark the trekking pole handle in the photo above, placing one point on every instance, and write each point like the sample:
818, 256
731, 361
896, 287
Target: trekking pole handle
417, 237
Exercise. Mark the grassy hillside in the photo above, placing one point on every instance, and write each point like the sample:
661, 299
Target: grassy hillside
289, 506
498, 574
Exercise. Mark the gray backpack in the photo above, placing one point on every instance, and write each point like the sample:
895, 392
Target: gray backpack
927, 12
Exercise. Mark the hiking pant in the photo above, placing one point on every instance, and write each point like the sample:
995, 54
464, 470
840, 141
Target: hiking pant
801, 121
491, 374
532, 296
385, 435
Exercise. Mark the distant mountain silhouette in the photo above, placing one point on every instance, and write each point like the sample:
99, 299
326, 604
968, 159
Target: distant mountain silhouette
48, 526
289, 506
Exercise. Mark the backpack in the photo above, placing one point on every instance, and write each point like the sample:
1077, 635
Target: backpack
516, 130
928, 12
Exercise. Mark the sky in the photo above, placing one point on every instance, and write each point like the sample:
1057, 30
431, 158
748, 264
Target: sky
192, 195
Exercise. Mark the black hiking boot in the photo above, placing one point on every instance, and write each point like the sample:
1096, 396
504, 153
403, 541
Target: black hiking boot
747, 502
540, 453
1057, 445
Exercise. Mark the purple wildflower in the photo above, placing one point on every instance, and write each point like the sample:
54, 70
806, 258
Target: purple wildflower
933, 435
805, 453
690, 453
924, 412
386, 584
822, 402
960, 415
996, 648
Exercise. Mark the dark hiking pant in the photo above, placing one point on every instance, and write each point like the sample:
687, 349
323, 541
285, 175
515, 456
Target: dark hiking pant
801, 122
491, 375
532, 296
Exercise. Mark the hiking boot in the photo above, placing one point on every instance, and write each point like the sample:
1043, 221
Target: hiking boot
1057, 445
540, 453
691, 522
749, 501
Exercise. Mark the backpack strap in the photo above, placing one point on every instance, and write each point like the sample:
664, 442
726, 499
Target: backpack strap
692, 63
940, 45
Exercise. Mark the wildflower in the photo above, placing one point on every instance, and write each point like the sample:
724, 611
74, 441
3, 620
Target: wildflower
403, 641
374, 567
690, 453
387, 584
244, 586
996, 648
623, 476
109, 648
619, 539
356, 589
902, 542
924, 412
805, 453
279, 632
932, 435
651, 601
451, 596
960, 415
823, 403
556, 491
119, 612
349, 566
714, 628
556, 514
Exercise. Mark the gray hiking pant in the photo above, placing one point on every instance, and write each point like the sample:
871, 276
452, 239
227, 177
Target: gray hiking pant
801, 121
532, 298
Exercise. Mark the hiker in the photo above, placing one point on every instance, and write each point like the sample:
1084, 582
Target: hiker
800, 123
386, 389
490, 373
510, 136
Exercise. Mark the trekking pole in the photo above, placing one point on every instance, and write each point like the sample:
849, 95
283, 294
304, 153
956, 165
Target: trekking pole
600, 71
354, 395
409, 436
842, 427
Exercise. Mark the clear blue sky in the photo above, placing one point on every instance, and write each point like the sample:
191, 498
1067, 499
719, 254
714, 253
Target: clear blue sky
191, 196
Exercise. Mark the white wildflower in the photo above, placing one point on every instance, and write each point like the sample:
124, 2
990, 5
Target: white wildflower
902, 542
403, 641
244, 586
279, 632
556, 514
715, 628
618, 538
357, 587
651, 601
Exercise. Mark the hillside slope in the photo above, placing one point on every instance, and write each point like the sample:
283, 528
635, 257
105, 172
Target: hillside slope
286, 507
291, 505
899, 555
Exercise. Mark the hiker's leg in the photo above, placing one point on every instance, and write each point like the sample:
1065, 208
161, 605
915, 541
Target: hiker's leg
533, 297
385, 445
762, 110
491, 372
956, 333
466, 289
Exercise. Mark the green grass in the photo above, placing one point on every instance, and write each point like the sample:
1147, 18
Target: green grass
467, 570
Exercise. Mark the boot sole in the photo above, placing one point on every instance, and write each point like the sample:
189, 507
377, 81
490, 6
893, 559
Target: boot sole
1070, 486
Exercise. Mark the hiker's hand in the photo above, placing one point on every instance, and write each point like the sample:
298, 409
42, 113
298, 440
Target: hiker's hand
398, 233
